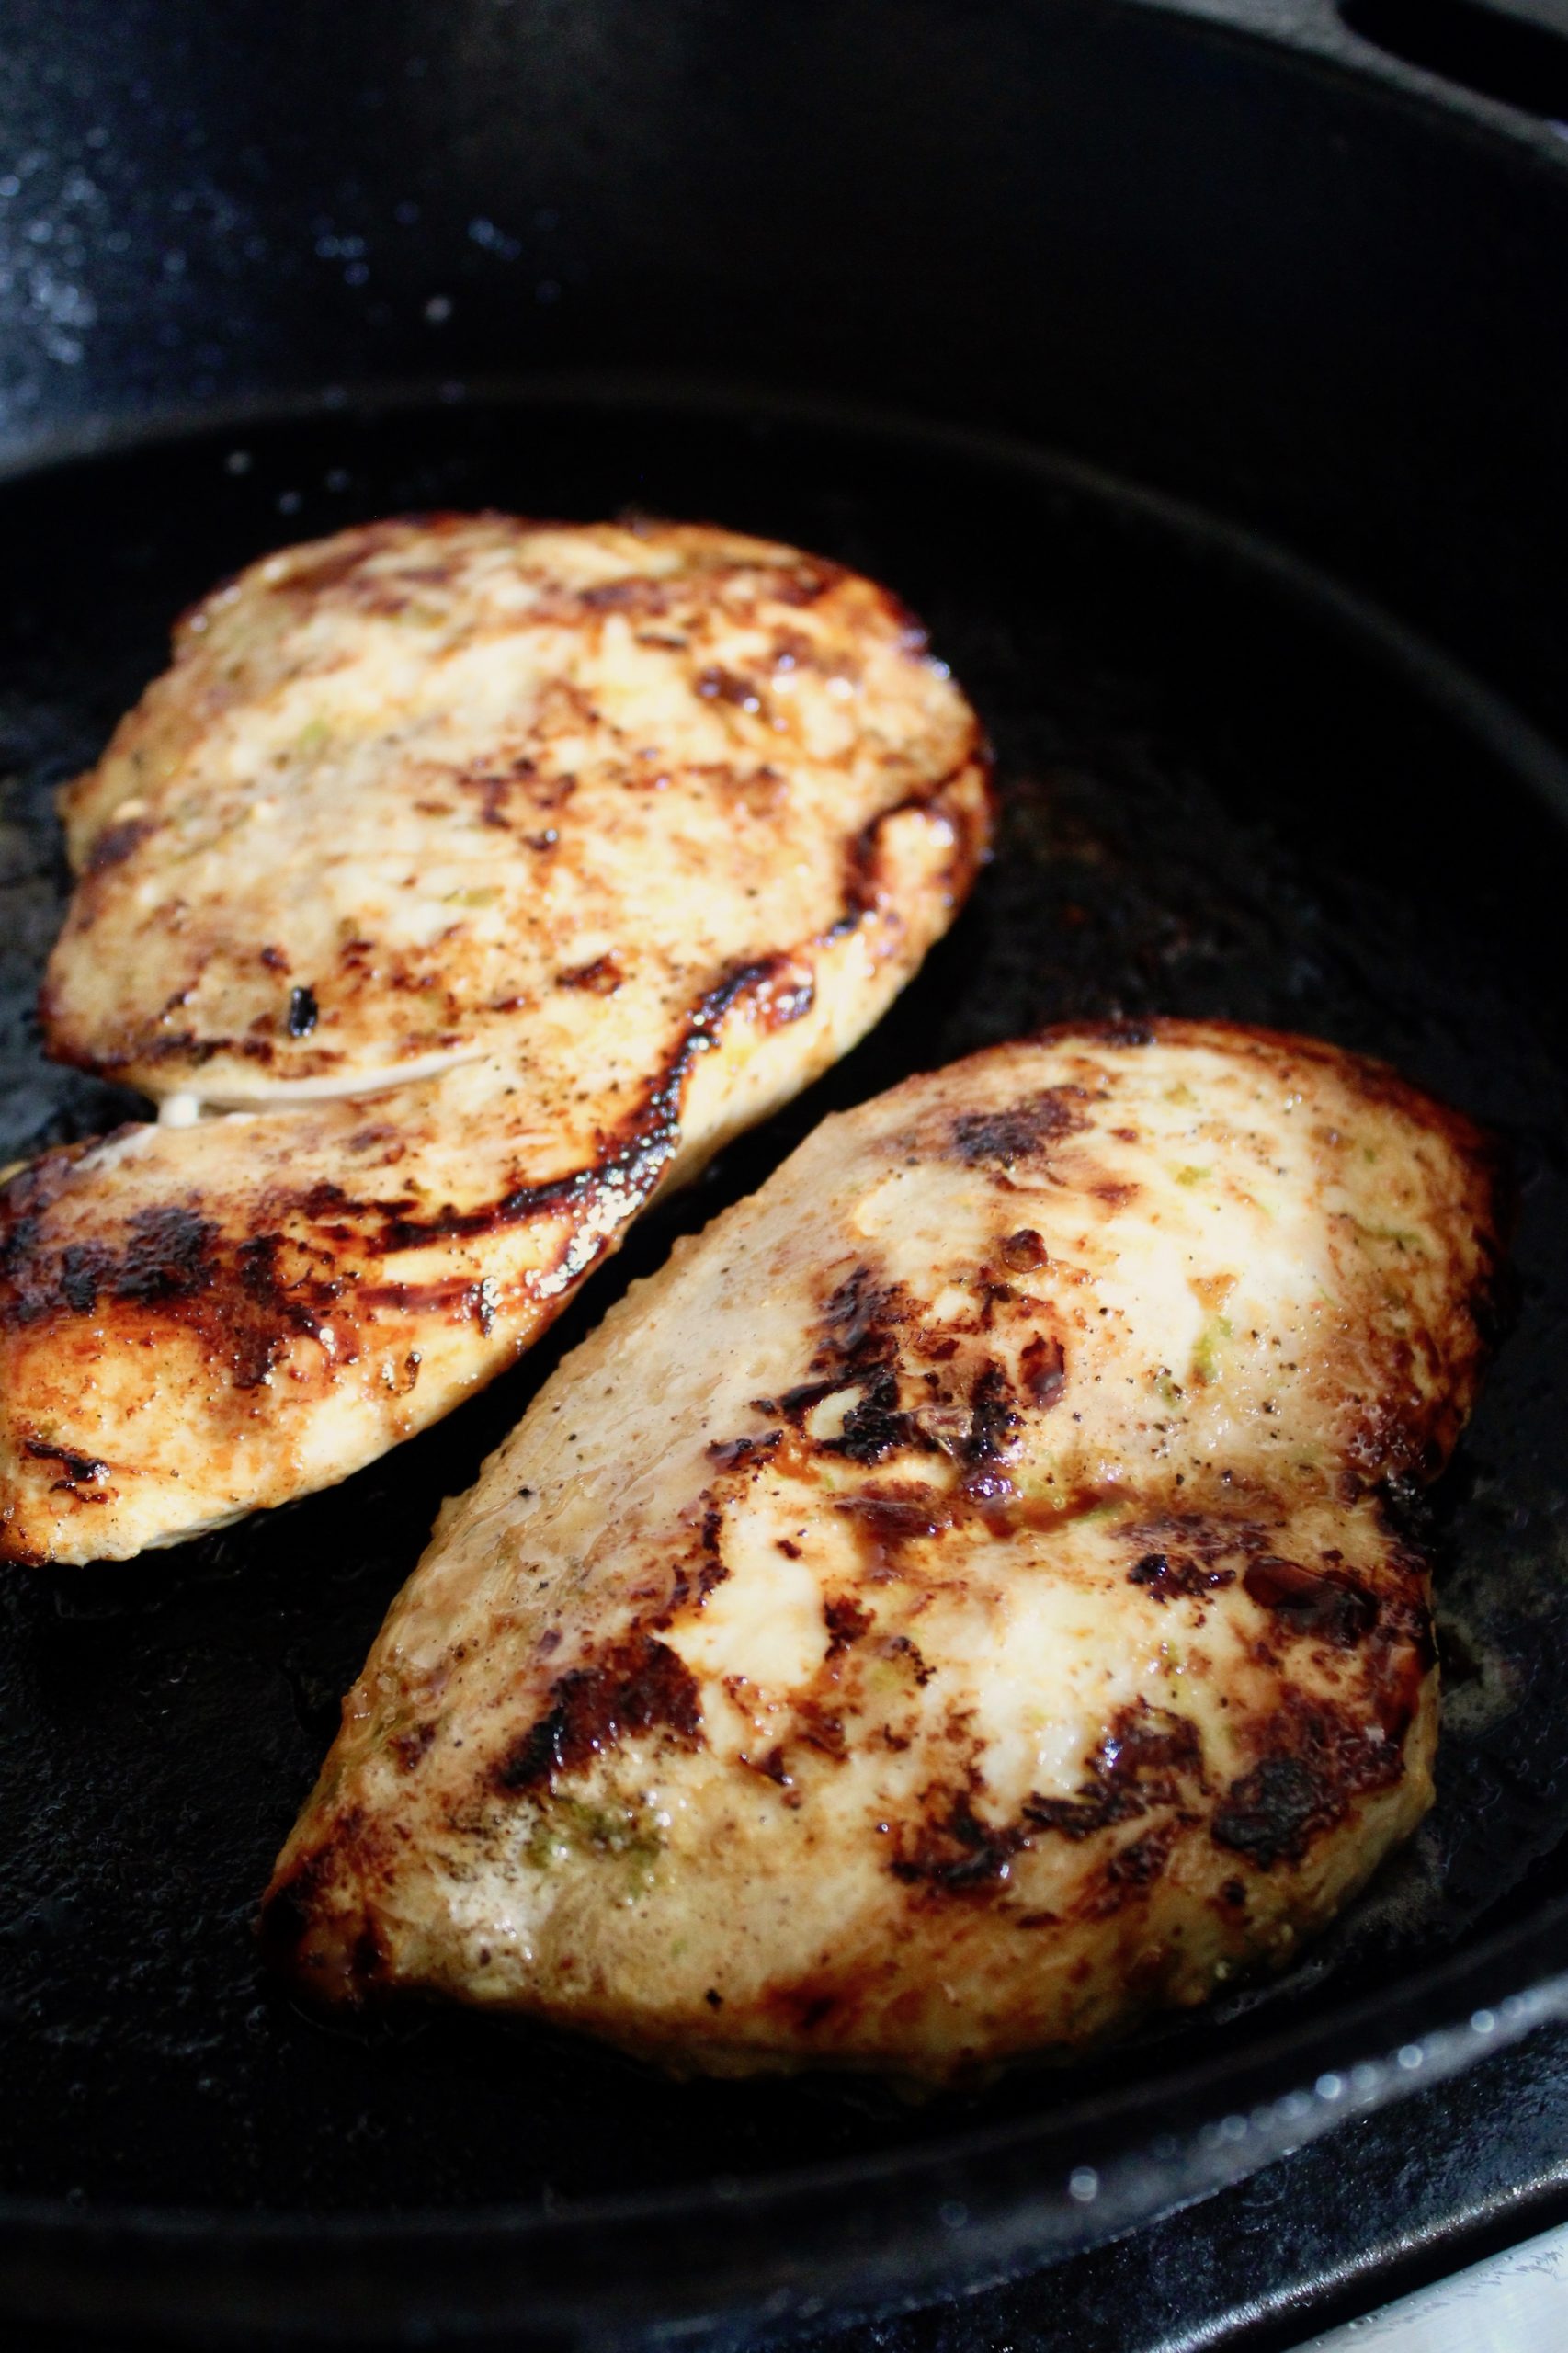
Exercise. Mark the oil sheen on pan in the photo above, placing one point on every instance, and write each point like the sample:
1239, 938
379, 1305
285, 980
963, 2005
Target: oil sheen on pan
954, 1607
463, 882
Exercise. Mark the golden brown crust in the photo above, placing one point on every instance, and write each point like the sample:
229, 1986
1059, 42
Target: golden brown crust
457, 858
991, 1629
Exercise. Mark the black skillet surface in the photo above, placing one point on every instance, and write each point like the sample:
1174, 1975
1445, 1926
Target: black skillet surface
1222, 795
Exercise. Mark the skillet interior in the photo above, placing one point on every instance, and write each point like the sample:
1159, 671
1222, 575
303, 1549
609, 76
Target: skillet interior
1219, 799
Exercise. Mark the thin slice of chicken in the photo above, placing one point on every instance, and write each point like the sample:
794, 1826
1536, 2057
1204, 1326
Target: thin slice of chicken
489, 875
952, 1608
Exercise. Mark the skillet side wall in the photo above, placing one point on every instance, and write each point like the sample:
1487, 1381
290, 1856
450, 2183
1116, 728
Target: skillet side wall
1325, 306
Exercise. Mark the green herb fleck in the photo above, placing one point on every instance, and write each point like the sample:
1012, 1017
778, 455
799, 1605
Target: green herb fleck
1206, 1353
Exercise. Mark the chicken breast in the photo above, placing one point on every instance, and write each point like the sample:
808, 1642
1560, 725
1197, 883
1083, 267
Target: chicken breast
486, 876
952, 1608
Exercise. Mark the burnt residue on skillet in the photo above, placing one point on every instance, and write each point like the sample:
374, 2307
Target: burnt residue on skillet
1212, 804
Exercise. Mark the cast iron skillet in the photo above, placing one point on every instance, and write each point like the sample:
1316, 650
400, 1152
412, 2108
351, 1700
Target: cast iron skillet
1230, 786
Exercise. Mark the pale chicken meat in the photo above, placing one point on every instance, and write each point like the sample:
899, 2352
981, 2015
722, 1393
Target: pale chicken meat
463, 882
954, 1607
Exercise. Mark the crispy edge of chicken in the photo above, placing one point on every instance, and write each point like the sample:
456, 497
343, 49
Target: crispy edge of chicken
953, 1608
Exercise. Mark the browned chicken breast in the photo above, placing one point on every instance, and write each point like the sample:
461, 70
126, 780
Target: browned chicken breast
951, 1609
463, 882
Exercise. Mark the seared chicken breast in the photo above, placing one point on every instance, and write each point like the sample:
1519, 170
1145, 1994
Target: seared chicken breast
953, 1606
463, 882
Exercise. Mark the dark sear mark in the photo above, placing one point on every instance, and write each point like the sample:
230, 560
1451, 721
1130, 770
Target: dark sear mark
805, 2006
819, 1726
728, 1453
845, 1622
786, 997
1131, 1869
857, 1349
797, 1402
632, 1160
183, 1045
892, 1519
1297, 1790
860, 1350
1143, 1762
168, 1254
494, 786
954, 1851
861, 858
703, 1569
289, 1913
1165, 1577
84, 1468
1330, 1604
716, 685
1272, 1812
1024, 1251
171, 1259
639, 1686
1020, 1128
409, 1746
251, 1298
858, 1320
116, 843
601, 977
901, 1647
1044, 1368
303, 1012
876, 1426
798, 582
993, 1417
1195, 1538
1140, 1763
